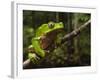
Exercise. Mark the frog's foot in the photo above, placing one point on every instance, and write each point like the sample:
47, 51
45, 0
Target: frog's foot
34, 58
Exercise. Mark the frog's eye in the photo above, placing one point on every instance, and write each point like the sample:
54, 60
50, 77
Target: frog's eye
60, 23
51, 24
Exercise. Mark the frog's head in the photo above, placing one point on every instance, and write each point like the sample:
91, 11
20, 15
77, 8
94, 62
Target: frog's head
54, 26
47, 28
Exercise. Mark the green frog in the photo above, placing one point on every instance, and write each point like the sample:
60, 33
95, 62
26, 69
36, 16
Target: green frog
45, 36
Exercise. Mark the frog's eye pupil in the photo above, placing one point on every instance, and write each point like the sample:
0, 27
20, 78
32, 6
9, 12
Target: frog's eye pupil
50, 25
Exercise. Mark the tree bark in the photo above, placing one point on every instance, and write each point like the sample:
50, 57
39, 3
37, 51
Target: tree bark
76, 54
69, 42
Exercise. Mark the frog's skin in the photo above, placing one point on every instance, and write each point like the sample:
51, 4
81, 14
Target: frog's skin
41, 33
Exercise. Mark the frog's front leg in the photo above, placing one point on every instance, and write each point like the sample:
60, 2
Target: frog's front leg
32, 55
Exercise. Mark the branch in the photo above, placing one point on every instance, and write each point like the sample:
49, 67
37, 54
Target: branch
65, 38
26, 63
75, 32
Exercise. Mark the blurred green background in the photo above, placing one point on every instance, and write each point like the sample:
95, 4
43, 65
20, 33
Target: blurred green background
77, 52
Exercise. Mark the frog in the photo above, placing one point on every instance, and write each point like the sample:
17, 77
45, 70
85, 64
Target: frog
45, 36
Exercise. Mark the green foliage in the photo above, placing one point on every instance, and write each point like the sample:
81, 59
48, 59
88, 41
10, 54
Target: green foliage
84, 17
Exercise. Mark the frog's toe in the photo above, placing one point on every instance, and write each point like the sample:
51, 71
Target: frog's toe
34, 58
